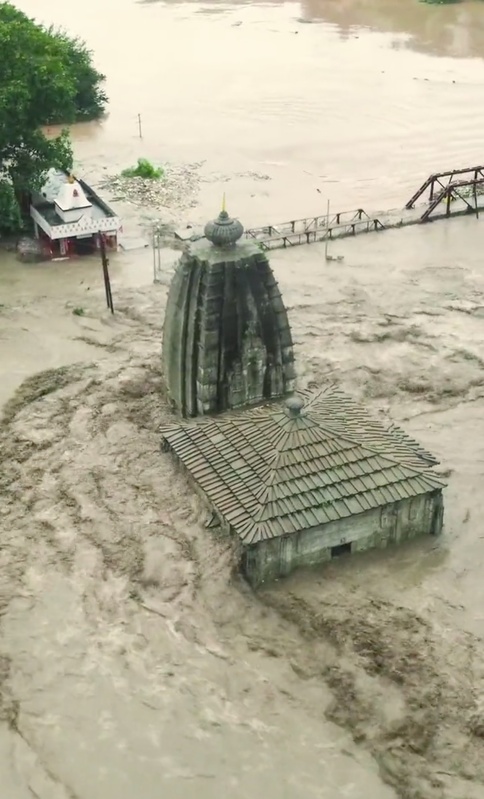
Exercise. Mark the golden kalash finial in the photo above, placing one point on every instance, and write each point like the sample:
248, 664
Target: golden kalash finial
71, 178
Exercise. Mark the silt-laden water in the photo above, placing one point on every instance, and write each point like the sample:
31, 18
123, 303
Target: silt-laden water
133, 659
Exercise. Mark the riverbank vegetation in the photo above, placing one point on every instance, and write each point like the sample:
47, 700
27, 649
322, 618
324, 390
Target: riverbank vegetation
46, 78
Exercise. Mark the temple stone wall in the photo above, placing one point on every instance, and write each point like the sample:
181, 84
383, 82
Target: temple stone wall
377, 528
226, 338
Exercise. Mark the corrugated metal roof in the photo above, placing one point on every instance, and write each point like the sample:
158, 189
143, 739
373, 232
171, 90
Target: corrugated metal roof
269, 473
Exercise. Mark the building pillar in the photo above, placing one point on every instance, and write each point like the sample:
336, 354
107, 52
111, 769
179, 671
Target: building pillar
63, 246
36, 229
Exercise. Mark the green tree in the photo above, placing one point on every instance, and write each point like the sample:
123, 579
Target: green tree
10, 216
45, 78
90, 99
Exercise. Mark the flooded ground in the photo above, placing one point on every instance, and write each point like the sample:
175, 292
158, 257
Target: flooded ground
132, 657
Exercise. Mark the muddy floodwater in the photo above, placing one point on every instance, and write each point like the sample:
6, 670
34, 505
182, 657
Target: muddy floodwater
134, 661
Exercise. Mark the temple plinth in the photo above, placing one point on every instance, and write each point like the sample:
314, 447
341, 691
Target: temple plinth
226, 338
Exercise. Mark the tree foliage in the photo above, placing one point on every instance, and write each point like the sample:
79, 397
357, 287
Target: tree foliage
10, 217
46, 77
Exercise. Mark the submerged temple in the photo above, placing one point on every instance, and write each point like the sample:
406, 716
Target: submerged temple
226, 337
299, 481
306, 480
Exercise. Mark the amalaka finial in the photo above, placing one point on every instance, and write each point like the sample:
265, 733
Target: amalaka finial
223, 231
294, 406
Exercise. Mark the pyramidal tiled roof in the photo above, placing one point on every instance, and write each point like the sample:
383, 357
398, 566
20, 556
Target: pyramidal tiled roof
270, 471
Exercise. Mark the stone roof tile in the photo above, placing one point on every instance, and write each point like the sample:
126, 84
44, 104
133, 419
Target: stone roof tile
269, 472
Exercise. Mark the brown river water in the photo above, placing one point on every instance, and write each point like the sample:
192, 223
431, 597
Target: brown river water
133, 659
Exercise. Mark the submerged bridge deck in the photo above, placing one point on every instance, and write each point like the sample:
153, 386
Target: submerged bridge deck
319, 228
445, 197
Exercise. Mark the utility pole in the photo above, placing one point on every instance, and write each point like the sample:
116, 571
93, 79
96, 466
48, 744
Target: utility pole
139, 127
107, 281
156, 244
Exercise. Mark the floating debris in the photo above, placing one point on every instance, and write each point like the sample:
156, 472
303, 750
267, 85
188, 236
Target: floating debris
31, 250
219, 177
177, 189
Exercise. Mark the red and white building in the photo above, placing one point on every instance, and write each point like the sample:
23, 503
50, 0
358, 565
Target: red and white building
69, 217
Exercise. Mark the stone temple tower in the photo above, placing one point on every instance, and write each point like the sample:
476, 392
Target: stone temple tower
226, 338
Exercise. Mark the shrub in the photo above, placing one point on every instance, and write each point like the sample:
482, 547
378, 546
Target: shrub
143, 169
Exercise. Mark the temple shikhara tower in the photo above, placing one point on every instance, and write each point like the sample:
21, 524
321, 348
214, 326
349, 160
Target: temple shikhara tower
226, 338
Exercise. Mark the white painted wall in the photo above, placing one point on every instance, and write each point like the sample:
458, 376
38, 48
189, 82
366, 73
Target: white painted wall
85, 226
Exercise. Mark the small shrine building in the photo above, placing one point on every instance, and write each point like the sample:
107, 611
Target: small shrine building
69, 217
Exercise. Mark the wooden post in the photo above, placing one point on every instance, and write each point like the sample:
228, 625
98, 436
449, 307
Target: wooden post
107, 281
327, 234
139, 127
